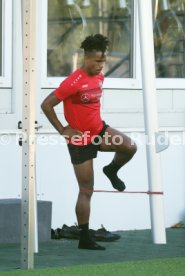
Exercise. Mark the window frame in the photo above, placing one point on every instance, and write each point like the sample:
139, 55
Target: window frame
119, 83
110, 83
6, 78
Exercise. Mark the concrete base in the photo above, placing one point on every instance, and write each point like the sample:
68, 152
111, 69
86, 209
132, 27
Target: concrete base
10, 220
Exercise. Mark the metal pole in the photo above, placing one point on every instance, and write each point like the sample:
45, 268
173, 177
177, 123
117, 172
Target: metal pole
151, 119
28, 137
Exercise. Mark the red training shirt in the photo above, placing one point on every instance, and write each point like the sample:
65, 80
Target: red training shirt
81, 95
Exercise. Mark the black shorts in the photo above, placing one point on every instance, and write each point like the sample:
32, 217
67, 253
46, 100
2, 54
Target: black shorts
80, 154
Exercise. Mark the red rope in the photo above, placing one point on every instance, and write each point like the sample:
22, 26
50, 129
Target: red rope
125, 192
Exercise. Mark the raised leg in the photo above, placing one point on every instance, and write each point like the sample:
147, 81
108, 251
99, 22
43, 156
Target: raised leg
124, 148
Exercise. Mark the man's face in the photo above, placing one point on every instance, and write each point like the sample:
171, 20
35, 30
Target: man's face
94, 62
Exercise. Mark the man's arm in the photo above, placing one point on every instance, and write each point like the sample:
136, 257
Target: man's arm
48, 108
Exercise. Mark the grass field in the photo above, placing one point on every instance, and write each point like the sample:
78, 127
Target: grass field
159, 267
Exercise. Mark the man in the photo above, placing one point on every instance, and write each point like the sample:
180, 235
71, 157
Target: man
86, 133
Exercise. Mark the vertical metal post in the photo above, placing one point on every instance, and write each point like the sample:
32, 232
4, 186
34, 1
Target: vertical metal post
28, 142
151, 119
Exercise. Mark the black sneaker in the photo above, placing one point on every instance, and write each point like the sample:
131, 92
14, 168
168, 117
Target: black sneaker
55, 234
90, 245
103, 235
70, 232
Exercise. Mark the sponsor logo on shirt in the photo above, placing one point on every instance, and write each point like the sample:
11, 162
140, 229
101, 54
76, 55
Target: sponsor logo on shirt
85, 85
87, 96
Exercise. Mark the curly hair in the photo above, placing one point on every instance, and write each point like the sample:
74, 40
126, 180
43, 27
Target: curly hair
95, 42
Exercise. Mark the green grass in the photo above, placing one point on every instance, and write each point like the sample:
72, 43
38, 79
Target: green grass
160, 267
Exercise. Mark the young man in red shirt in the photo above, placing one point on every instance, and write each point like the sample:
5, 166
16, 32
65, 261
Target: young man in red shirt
86, 133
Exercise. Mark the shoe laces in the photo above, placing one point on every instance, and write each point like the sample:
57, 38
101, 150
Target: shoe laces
103, 228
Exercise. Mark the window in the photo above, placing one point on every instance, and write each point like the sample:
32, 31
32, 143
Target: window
70, 21
169, 39
5, 42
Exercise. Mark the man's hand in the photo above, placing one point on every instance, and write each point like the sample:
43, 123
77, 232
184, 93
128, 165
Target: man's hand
70, 133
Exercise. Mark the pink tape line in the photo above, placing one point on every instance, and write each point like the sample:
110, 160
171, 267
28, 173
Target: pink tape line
124, 192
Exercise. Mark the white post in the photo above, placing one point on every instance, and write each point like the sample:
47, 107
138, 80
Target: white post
28, 142
151, 119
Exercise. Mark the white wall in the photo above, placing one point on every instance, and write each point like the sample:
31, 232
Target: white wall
56, 182
116, 211
55, 177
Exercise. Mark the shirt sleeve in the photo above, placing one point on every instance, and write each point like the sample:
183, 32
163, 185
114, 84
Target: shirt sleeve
66, 89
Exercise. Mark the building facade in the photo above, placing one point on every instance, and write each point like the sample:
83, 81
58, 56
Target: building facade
61, 26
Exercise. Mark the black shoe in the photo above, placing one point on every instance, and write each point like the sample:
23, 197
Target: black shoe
55, 234
90, 245
72, 232
103, 235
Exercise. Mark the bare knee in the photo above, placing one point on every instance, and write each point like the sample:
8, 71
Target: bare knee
85, 177
85, 192
129, 149
86, 187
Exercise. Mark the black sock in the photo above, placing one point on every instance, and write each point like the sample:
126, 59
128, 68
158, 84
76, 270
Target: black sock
111, 172
84, 231
113, 167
